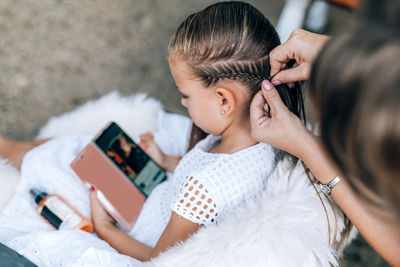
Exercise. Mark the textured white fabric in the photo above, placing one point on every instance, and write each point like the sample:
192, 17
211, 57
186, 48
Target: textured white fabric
47, 168
9, 179
211, 186
287, 226
194, 202
223, 180
135, 114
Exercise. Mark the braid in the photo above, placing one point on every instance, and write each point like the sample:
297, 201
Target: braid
236, 76
251, 72
231, 41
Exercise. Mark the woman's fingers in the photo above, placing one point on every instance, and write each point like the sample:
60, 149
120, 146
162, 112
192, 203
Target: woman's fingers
280, 127
257, 107
272, 97
279, 56
298, 73
265, 106
301, 46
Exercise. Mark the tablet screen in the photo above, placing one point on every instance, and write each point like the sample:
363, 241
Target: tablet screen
137, 166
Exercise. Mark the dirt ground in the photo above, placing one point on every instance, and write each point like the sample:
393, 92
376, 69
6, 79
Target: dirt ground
57, 54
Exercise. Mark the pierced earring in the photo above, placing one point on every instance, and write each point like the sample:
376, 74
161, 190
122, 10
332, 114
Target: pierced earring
222, 112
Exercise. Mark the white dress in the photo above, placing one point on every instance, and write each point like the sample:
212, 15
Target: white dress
206, 188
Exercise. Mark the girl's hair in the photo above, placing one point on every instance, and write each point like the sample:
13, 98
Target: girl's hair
230, 40
355, 87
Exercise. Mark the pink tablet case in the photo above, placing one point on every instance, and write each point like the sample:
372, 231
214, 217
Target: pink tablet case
118, 195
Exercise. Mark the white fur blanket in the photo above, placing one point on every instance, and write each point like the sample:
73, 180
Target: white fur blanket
287, 226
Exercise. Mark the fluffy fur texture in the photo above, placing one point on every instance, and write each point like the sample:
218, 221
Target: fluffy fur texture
9, 179
133, 113
286, 226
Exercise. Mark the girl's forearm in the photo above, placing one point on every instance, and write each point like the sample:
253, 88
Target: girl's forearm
124, 243
170, 163
379, 228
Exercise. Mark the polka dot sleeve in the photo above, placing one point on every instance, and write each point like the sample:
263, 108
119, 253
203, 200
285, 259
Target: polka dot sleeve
194, 202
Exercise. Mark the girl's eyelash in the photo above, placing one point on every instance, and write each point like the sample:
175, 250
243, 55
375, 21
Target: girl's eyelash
184, 96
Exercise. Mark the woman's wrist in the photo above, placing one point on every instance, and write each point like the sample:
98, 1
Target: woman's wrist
314, 156
305, 144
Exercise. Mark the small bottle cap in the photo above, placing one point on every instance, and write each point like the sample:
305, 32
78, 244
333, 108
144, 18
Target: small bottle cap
37, 195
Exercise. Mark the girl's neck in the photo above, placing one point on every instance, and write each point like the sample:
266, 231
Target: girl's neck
234, 139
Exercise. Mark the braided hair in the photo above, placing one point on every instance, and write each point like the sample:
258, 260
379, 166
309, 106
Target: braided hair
230, 41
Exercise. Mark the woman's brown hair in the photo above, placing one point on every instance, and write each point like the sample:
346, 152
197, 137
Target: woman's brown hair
355, 87
230, 40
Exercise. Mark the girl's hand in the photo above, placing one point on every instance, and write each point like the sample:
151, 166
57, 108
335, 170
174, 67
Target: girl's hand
273, 123
101, 219
152, 149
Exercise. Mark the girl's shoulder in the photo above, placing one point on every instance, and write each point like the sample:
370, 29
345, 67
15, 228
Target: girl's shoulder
260, 150
222, 180
207, 143
254, 161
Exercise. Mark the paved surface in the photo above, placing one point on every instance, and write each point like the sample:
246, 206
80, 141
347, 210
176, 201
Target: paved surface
57, 54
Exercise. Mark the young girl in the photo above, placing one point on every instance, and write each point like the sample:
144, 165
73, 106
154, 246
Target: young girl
218, 59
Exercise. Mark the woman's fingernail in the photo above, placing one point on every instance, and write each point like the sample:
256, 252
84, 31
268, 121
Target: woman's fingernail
276, 82
92, 188
267, 85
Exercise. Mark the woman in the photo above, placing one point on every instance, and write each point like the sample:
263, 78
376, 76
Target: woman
355, 93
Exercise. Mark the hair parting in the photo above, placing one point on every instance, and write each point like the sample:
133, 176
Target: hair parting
230, 40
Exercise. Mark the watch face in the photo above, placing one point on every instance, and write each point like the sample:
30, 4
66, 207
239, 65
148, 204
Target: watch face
326, 189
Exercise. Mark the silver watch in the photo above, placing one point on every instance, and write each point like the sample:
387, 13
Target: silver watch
327, 188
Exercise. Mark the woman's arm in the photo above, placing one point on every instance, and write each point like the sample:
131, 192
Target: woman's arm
379, 228
285, 131
178, 229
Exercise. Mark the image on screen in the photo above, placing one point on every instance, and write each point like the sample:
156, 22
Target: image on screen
138, 167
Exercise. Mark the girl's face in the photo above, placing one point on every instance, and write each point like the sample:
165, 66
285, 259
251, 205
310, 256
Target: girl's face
201, 102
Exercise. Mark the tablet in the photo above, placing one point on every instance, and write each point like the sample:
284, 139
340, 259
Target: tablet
121, 171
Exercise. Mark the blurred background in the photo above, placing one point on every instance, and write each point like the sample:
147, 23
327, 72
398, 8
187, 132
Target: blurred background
57, 54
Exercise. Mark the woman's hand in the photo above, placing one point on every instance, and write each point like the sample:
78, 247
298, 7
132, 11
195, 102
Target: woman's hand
302, 46
101, 219
273, 123
152, 149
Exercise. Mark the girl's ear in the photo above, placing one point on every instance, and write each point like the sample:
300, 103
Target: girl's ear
226, 101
